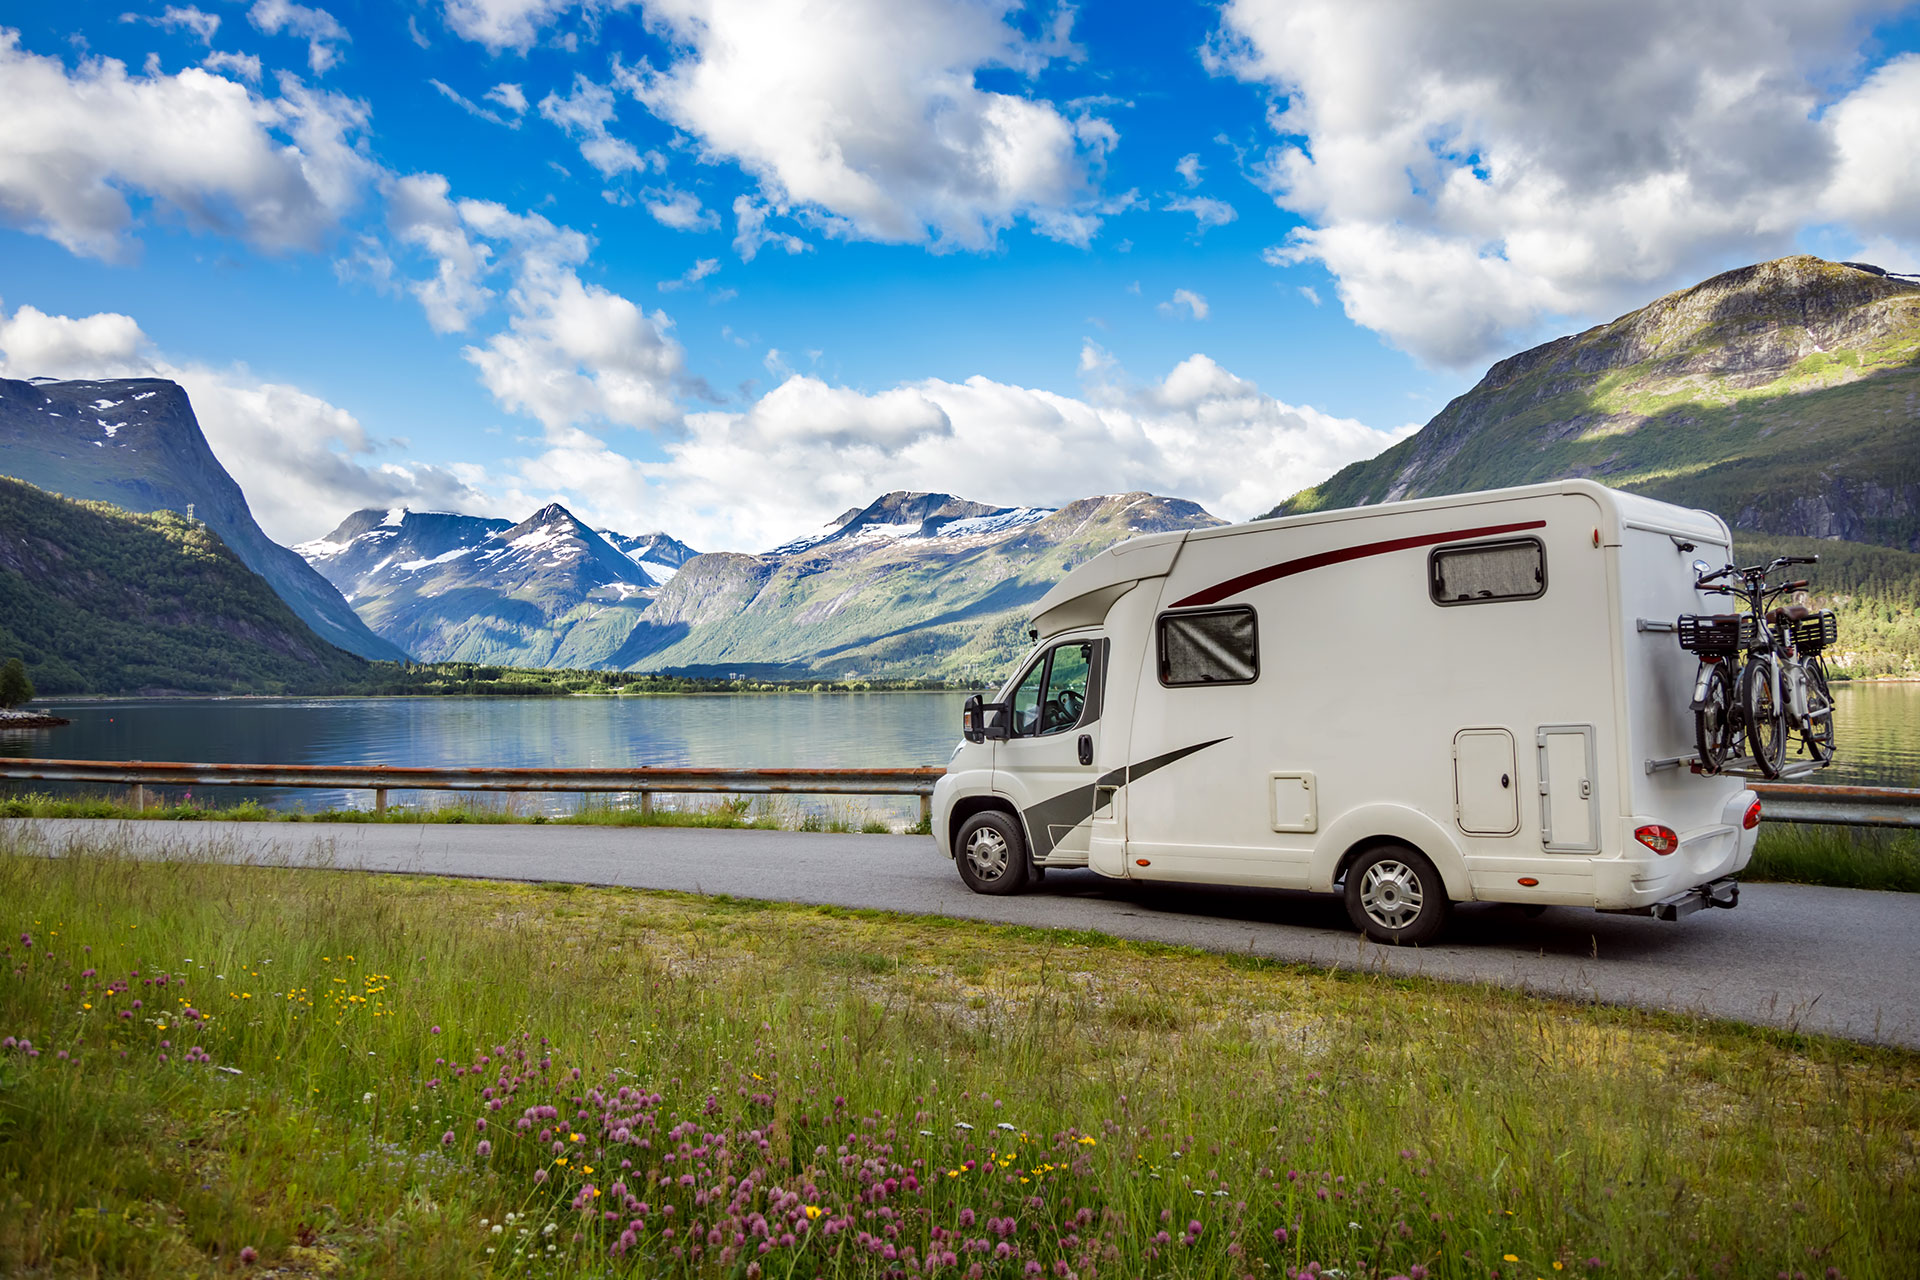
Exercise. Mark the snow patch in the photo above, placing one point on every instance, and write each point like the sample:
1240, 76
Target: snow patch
104, 405
111, 428
414, 566
145, 395
318, 549
975, 526
657, 573
395, 517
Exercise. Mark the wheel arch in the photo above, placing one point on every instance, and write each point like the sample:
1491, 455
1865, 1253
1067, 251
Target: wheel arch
1358, 830
966, 806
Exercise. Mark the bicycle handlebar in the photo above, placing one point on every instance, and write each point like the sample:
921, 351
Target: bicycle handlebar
1797, 585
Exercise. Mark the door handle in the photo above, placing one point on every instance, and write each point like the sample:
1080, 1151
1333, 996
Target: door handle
1086, 748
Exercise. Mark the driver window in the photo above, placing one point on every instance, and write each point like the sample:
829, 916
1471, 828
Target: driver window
1066, 687
1026, 701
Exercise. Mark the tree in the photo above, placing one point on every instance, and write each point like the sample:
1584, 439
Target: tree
15, 688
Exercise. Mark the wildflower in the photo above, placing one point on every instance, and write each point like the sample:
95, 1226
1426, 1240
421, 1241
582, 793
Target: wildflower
1510, 1257
446, 1139
962, 1124
366, 1098
813, 1212
484, 1149
539, 1175
247, 1255
1004, 1125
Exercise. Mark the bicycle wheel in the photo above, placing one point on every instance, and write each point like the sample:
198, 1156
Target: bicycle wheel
1817, 733
1766, 718
1713, 721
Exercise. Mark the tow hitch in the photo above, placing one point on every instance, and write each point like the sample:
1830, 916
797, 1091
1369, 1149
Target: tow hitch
1720, 893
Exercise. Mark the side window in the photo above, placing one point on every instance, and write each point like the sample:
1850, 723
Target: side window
1214, 646
1482, 572
1052, 695
1066, 696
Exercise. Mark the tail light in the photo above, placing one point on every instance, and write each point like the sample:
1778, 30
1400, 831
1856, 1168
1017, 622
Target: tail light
1752, 819
1660, 839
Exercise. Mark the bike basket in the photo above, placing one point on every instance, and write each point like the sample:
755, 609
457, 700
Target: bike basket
1720, 633
1812, 634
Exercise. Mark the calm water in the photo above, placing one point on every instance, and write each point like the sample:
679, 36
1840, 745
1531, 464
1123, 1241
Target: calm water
1878, 728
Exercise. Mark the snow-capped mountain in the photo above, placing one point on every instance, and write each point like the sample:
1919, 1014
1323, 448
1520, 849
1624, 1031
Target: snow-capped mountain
901, 516
136, 443
469, 588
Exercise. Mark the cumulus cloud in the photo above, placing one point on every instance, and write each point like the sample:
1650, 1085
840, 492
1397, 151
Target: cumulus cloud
699, 271
1471, 170
865, 118
501, 25
1194, 304
1188, 168
509, 96
680, 210
278, 172
244, 65
751, 233
585, 114
302, 462
808, 450
1207, 212
322, 30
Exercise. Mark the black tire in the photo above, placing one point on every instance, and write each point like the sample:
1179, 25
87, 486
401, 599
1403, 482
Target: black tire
1766, 718
1818, 734
1395, 896
991, 854
1713, 731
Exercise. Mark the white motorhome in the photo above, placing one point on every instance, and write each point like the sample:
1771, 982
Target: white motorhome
1476, 698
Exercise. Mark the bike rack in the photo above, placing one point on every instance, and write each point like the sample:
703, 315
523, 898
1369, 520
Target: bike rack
1748, 767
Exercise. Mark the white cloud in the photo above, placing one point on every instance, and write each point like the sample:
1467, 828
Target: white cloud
1310, 293
680, 210
1188, 168
864, 115
279, 172
509, 96
699, 271
471, 107
1876, 185
1470, 171
244, 65
1195, 304
421, 215
807, 450
202, 24
302, 462
516, 24
751, 233
323, 31
1207, 212
585, 114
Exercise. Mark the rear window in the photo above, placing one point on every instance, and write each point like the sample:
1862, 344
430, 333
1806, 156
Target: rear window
1217, 646
1483, 572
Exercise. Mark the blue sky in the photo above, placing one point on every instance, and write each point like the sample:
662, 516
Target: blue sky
728, 268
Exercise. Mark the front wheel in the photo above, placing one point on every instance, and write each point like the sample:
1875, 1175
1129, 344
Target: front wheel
1395, 896
1765, 716
991, 853
1713, 719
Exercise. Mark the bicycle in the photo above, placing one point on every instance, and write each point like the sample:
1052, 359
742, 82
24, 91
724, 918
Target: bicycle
1775, 692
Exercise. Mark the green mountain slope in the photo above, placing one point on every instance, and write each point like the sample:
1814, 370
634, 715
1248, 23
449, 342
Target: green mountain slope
948, 599
1785, 396
97, 600
135, 443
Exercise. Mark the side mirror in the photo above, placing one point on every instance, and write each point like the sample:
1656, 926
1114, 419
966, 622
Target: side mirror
997, 727
973, 720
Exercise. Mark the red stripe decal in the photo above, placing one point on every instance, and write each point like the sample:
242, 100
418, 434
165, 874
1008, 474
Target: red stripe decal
1287, 568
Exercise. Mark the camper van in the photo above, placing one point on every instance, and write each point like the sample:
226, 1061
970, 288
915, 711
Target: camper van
1476, 698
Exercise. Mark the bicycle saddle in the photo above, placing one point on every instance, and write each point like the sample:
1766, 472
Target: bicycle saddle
1790, 613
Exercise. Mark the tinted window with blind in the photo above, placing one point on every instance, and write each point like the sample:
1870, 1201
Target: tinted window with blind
1483, 572
1218, 646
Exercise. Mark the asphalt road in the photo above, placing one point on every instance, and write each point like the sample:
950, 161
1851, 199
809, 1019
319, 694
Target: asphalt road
1839, 961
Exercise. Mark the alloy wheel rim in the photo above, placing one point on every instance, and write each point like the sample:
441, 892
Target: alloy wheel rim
1390, 894
987, 853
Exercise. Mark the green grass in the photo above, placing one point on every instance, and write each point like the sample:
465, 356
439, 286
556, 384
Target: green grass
926, 1083
764, 814
1843, 857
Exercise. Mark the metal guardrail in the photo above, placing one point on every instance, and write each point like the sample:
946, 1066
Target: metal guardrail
381, 779
1839, 806
1780, 801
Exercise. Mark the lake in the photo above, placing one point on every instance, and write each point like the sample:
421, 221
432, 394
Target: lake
1878, 728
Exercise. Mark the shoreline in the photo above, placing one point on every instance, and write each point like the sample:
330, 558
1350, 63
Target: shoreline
31, 720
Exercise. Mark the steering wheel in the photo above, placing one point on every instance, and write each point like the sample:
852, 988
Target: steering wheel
1070, 704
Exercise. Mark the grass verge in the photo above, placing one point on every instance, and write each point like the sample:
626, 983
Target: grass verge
210, 1070
1843, 857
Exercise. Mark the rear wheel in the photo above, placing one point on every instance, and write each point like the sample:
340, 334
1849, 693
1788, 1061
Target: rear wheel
1713, 721
1395, 896
1766, 718
991, 853
1818, 731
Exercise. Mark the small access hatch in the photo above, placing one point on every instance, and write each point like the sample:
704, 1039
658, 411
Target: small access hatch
1567, 768
1486, 796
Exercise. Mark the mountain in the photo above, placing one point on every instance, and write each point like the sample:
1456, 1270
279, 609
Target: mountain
135, 443
914, 584
548, 591
1785, 396
98, 600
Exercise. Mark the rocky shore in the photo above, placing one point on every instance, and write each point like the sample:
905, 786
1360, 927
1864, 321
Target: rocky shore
30, 720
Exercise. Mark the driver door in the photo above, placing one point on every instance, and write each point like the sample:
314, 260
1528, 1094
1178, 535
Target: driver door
1046, 763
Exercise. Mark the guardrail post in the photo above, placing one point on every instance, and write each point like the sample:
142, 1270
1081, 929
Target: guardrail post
646, 803
138, 797
380, 800
926, 809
